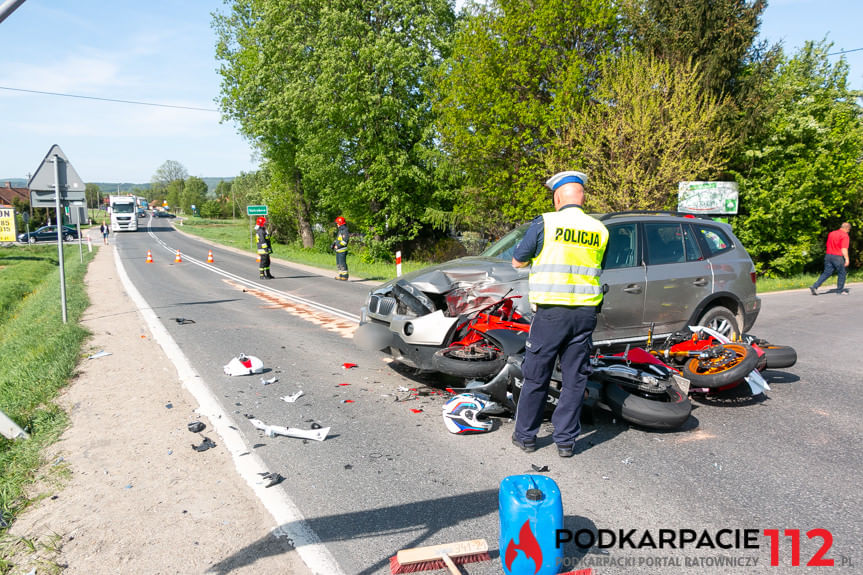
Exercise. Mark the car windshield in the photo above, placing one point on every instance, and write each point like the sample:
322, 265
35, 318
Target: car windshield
504, 247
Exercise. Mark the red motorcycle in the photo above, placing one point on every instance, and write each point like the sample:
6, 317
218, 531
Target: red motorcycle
488, 349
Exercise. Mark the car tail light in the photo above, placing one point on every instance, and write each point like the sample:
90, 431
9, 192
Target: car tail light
752, 276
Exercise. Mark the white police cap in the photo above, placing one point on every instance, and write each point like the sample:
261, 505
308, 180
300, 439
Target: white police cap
562, 178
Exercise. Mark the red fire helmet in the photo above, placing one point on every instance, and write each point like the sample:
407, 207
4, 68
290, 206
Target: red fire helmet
340, 221
261, 221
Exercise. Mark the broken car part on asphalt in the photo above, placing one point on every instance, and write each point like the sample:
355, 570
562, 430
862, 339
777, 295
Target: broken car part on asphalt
244, 365
273, 430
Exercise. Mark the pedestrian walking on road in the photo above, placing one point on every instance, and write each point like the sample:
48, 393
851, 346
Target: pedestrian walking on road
104, 230
340, 246
265, 248
564, 249
836, 259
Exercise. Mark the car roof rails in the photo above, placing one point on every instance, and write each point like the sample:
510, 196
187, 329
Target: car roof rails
610, 215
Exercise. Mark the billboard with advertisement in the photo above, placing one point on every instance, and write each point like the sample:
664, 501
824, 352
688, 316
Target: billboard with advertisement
7, 224
707, 197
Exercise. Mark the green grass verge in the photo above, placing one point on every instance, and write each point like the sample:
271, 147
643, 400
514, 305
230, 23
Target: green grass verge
39, 354
803, 281
235, 233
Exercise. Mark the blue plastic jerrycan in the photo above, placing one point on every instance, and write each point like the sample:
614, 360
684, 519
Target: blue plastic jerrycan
531, 512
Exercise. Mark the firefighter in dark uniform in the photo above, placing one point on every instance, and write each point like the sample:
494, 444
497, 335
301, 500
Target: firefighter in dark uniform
564, 249
265, 248
340, 246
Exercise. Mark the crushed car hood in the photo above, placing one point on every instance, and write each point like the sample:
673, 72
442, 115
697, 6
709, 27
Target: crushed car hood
465, 271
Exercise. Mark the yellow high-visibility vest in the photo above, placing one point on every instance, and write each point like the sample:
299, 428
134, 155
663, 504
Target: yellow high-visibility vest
566, 271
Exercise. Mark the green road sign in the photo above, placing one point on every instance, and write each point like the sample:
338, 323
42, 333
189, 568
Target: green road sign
256, 210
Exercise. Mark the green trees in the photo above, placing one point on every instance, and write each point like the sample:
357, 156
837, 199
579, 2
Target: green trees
517, 74
334, 97
402, 118
194, 194
802, 176
648, 125
93, 195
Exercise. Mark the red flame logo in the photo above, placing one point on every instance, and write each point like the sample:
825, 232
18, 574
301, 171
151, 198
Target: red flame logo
527, 544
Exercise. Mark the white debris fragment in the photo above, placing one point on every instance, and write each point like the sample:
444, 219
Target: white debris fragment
99, 354
273, 379
273, 430
244, 365
293, 397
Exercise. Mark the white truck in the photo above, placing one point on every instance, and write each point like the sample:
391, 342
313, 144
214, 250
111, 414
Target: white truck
124, 213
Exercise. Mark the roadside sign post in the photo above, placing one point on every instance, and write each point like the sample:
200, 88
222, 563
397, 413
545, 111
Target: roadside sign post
47, 192
253, 212
59, 235
76, 214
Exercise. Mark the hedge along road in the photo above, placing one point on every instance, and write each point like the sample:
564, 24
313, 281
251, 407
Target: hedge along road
388, 477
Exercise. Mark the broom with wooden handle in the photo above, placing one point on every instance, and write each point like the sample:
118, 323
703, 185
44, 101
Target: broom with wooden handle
446, 556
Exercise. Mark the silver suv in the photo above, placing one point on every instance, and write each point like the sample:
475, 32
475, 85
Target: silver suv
663, 269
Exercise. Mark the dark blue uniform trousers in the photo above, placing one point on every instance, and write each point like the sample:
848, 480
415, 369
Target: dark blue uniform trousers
556, 331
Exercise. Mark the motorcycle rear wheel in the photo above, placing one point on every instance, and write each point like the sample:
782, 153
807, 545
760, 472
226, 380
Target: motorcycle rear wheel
734, 365
469, 360
668, 410
779, 356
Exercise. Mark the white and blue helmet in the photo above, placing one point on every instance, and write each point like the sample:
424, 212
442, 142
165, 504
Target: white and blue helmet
462, 414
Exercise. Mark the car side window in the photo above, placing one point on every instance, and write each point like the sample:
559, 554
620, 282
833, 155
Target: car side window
690, 242
622, 246
715, 240
665, 243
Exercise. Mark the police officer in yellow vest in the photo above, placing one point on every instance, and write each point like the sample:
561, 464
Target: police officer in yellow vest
564, 249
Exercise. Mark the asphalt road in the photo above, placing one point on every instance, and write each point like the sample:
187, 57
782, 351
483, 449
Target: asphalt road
389, 477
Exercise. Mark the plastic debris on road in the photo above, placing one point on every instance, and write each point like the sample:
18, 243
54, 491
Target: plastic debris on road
273, 430
272, 479
349, 365
205, 445
273, 379
196, 426
293, 397
98, 354
244, 365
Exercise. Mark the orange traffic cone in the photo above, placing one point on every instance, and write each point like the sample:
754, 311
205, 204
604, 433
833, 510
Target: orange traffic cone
149, 257
210, 259
178, 259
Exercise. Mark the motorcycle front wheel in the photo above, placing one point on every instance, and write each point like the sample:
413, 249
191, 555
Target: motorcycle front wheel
469, 361
732, 365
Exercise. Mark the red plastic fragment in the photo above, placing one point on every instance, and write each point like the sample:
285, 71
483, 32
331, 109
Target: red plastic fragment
348, 365
343, 384
417, 410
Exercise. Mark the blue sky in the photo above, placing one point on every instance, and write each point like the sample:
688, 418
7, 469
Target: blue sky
162, 52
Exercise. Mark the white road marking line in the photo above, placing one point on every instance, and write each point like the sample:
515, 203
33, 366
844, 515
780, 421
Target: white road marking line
289, 519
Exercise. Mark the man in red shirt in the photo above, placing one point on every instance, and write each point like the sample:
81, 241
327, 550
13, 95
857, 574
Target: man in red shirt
836, 259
